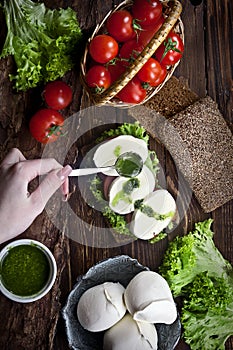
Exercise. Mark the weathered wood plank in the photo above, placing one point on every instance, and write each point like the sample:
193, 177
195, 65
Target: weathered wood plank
206, 66
192, 66
218, 46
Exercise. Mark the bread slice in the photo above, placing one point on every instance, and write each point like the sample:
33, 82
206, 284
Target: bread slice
210, 144
201, 144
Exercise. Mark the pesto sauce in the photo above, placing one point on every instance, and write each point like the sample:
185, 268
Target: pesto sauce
129, 164
117, 151
149, 211
25, 270
127, 189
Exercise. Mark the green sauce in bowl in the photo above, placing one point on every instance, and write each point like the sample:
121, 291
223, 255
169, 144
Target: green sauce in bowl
25, 270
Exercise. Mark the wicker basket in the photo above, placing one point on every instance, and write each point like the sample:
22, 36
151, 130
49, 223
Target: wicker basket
172, 11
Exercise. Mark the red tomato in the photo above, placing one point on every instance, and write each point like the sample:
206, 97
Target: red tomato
120, 25
116, 70
133, 92
147, 11
160, 78
150, 72
146, 34
46, 125
98, 78
171, 50
103, 48
129, 51
57, 95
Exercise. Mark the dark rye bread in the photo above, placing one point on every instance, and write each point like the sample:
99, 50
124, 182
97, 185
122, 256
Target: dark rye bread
201, 145
174, 97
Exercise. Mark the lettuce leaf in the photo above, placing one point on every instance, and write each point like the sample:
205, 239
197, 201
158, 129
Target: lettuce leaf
197, 272
133, 129
42, 41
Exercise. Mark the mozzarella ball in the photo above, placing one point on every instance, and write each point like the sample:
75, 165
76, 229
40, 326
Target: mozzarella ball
129, 334
100, 307
148, 298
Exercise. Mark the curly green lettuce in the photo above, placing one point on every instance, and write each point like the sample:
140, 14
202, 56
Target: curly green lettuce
133, 129
196, 271
192, 254
42, 41
207, 313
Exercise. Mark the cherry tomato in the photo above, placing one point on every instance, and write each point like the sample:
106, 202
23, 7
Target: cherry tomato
116, 70
129, 51
98, 78
120, 25
103, 48
160, 78
147, 11
171, 50
46, 125
150, 72
133, 92
57, 95
146, 34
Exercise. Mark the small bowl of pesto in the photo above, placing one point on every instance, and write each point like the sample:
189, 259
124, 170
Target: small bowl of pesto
27, 270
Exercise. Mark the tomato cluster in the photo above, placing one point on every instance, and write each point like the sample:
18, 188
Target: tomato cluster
127, 32
46, 124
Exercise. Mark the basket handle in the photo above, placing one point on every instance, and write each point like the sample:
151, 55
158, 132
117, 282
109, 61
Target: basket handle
147, 52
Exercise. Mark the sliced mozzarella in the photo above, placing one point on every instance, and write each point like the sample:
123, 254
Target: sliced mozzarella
125, 204
108, 152
129, 334
100, 307
148, 298
145, 227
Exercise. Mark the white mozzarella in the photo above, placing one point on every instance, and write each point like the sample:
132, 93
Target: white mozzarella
129, 334
126, 203
108, 152
145, 227
100, 307
148, 298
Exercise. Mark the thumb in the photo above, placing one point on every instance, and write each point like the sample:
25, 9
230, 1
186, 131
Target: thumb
49, 185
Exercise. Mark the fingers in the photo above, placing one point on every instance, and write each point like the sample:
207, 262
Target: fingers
49, 186
32, 168
65, 187
14, 156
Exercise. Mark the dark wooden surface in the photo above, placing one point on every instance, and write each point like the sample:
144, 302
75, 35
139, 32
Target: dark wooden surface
206, 66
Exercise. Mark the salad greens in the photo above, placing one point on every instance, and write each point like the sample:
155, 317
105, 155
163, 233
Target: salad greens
42, 41
195, 270
118, 222
133, 129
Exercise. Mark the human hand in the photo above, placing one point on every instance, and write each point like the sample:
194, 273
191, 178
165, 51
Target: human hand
19, 208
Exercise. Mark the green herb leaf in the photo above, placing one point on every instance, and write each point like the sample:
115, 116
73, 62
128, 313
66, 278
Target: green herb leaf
196, 270
42, 41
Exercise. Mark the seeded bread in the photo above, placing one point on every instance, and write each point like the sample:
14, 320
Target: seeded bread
201, 145
174, 97
210, 144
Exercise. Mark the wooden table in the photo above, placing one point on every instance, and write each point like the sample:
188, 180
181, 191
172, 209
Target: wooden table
206, 66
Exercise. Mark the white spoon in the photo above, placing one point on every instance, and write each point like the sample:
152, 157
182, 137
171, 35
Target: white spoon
128, 164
